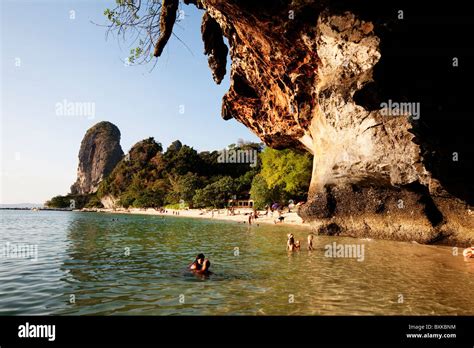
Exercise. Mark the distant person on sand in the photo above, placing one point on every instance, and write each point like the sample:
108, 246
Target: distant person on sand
279, 220
200, 264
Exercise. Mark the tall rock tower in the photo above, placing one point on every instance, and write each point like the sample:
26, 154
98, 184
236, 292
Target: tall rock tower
99, 154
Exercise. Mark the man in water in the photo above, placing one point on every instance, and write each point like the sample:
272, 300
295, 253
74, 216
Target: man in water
201, 264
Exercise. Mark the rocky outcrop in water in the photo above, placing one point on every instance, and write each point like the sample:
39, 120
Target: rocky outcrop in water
371, 90
99, 154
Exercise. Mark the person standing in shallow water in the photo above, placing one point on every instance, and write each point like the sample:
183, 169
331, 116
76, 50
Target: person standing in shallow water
310, 242
290, 243
200, 264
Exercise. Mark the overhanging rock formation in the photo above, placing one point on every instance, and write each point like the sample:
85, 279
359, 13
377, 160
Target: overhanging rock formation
364, 88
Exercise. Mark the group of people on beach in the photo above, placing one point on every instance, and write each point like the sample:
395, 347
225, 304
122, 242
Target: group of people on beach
255, 215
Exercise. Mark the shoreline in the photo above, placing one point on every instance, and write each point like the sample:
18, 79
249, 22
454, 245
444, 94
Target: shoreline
241, 215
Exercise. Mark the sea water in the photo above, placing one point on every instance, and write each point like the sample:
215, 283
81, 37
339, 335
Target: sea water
110, 264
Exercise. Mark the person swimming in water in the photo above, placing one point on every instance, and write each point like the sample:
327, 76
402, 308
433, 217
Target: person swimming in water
200, 264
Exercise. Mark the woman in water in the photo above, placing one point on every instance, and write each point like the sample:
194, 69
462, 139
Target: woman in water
290, 244
200, 264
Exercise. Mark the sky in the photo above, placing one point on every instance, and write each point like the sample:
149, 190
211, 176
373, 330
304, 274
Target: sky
53, 51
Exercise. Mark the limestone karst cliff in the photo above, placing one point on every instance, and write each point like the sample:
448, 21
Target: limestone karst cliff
99, 154
317, 74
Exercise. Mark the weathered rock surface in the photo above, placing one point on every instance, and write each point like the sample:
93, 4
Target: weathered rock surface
314, 74
99, 154
109, 202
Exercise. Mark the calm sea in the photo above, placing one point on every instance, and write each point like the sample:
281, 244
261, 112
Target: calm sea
72, 263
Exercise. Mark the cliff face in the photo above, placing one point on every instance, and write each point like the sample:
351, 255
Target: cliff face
327, 76
99, 154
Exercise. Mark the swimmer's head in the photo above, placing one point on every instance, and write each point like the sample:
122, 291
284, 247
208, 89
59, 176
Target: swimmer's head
200, 257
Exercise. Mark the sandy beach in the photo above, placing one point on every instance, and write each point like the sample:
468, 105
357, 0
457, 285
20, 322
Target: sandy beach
241, 215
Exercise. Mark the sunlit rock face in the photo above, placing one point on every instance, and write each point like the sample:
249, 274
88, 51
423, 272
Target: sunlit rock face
99, 154
339, 80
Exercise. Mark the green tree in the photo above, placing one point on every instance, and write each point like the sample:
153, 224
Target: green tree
73, 201
148, 199
175, 146
147, 177
143, 151
263, 195
182, 161
215, 195
183, 188
244, 182
59, 202
127, 199
287, 170
94, 202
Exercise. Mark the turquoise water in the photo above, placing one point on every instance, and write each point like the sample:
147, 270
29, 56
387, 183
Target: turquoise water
103, 264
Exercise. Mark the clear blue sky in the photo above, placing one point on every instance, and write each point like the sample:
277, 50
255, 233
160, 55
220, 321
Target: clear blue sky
62, 58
